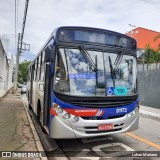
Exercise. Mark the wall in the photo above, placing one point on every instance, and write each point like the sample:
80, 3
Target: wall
6, 71
149, 88
145, 36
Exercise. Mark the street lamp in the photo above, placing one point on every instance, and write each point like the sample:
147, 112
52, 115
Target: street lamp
132, 26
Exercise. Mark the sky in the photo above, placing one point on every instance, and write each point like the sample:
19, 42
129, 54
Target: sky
44, 16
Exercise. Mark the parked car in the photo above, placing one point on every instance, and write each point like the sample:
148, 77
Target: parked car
19, 85
23, 89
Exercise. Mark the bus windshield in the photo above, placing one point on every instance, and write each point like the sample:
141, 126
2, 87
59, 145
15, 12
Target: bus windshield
84, 72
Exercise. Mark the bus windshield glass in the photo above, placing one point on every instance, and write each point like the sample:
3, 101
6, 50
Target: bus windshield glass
83, 72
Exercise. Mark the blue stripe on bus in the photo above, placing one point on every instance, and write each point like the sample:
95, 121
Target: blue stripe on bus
107, 111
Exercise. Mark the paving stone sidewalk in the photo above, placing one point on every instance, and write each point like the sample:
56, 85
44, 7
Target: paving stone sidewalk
15, 130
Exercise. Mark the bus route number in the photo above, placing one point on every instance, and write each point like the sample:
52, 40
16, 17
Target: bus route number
120, 90
121, 110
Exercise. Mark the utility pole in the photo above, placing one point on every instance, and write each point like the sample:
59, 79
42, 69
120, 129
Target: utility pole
17, 64
24, 22
132, 26
19, 45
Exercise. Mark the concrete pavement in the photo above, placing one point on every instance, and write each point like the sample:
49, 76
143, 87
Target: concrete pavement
16, 133
15, 130
154, 112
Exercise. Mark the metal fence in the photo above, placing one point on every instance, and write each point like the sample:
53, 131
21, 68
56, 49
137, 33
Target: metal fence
152, 66
149, 87
148, 60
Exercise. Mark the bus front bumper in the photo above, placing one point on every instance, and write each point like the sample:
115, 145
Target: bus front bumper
64, 129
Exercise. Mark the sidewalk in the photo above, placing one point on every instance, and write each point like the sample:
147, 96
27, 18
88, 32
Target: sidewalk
15, 130
150, 111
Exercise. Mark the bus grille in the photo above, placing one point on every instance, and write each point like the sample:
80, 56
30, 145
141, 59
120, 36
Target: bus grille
94, 129
101, 104
95, 132
101, 118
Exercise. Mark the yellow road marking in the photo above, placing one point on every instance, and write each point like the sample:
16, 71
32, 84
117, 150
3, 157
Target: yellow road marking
144, 140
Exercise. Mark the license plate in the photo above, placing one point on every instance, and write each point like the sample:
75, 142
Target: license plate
104, 127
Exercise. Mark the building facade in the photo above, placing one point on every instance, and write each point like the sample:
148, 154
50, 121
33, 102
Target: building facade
144, 37
6, 71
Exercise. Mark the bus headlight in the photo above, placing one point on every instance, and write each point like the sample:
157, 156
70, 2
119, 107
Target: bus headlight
63, 114
66, 116
134, 112
75, 119
129, 115
59, 110
137, 109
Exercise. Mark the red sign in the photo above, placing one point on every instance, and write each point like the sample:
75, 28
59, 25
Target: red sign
82, 112
105, 127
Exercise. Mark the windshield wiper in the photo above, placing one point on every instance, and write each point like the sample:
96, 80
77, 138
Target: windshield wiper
116, 65
117, 61
112, 72
92, 65
88, 58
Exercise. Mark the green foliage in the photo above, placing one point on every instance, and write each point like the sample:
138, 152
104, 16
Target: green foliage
151, 56
22, 74
157, 37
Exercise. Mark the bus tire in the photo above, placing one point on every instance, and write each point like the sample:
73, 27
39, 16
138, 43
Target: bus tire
39, 116
38, 110
43, 129
29, 107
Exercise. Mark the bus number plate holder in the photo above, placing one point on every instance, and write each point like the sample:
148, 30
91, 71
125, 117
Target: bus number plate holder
105, 127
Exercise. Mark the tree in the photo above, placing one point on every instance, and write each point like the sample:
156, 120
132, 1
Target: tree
147, 53
158, 49
155, 39
22, 74
151, 56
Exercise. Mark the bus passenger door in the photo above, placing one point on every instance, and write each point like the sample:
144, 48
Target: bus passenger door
31, 86
47, 86
47, 96
49, 54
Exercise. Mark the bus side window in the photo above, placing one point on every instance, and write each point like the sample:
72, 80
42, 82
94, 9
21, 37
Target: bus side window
38, 68
29, 74
61, 82
47, 54
40, 62
43, 56
37, 74
32, 71
42, 73
35, 70
42, 66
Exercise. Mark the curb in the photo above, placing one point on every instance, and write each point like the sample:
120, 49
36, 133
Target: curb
36, 137
150, 113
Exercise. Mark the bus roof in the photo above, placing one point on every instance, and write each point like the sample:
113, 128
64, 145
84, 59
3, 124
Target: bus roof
88, 28
56, 31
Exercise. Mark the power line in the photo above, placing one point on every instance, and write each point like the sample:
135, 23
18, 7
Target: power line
19, 45
15, 26
17, 12
24, 22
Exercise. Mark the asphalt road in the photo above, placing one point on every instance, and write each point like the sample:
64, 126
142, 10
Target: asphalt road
146, 140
